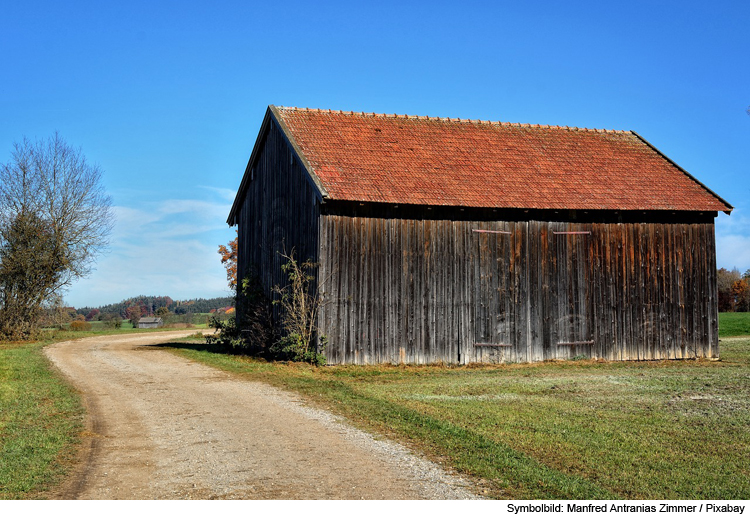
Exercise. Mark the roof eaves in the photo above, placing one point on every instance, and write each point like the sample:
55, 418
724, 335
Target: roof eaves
696, 180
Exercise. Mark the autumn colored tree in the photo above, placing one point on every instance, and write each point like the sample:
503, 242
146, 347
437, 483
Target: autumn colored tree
229, 260
741, 291
726, 280
134, 314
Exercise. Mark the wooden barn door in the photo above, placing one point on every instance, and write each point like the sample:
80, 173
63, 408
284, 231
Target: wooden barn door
495, 316
571, 333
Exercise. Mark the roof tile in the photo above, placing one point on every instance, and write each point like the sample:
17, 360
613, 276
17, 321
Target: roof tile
473, 163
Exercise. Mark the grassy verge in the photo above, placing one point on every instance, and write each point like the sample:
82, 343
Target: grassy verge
40, 422
734, 324
575, 430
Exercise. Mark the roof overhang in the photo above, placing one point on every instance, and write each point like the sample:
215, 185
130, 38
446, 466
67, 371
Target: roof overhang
696, 180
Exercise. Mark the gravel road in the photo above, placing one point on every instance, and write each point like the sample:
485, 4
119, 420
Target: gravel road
163, 427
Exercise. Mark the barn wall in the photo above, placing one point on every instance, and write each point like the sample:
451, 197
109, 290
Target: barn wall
422, 291
279, 213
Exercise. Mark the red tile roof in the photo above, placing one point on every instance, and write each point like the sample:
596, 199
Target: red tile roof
431, 161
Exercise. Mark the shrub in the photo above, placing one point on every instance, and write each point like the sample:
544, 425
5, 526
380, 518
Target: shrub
299, 303
227, 333
80, 326
255, 334
293, 347
112, 320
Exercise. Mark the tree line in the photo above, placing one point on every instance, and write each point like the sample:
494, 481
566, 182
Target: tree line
734, 290
155, 306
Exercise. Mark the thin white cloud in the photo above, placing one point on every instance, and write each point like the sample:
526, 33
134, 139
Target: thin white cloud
160, 248
201, 208
733, 241
223, 193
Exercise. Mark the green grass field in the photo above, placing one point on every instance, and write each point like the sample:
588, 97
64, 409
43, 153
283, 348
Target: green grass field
734, 324
575, 430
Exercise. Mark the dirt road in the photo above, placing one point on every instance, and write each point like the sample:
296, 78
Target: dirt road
164, 427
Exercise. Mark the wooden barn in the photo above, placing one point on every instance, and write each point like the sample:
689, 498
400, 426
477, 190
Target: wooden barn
150, 322
447, 240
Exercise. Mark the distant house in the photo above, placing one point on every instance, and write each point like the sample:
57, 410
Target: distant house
447, 240
150, 322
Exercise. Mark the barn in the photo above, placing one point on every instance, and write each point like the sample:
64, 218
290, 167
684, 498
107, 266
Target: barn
463, 241
150, 322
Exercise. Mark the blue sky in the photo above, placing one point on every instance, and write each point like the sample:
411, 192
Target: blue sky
168, 97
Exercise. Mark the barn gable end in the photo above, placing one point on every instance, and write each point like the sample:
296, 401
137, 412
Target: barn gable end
277, 208
461, 242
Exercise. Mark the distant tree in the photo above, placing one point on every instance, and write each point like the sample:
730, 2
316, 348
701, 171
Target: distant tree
55, 218
162, 311
57, 314
111, 320
229, 260
741, 291
725, 282
134, 315
92, 315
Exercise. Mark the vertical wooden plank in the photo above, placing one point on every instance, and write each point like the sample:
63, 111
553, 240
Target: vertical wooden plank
461, 280
671, 320
536, 266
397, 257
540, 279
589, 291
637, 295
648, 285
469, 260
452, 337
675, 241
518, 275
714, 303
702, 295
600, 311
618, 240
409, 298
396, 280
427, 348
345, 292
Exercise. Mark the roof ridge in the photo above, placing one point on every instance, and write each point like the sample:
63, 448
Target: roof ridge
455, 120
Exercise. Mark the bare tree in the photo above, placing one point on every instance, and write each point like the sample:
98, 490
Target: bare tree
55, 219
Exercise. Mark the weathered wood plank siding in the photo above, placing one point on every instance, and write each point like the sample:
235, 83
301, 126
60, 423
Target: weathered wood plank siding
459, 291
280, 213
